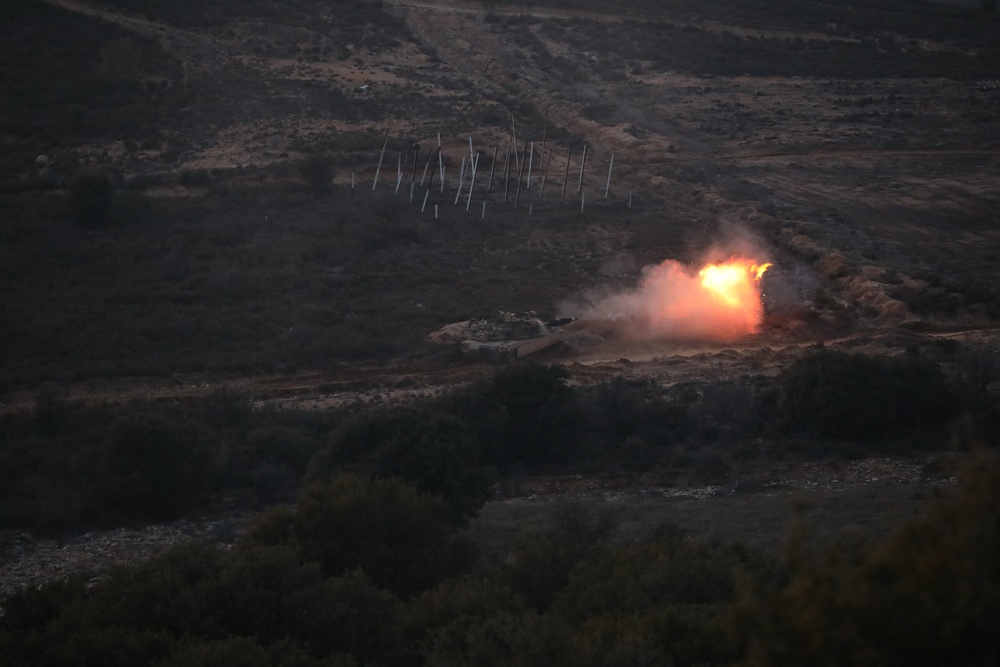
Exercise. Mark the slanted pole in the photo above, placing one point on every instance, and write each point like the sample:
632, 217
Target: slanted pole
545, 129
461, 177
440, 165
430, 182
583, 164
472, 181
531, 159
569, 153
430, 156
506, 173
545, 173
607, 187
493, 167
399, 171
513, 134
424, 205
381, 154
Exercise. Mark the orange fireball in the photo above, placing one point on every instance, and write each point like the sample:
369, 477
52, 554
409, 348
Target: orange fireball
722, 301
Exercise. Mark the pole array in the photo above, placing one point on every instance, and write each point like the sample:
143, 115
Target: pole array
517, 158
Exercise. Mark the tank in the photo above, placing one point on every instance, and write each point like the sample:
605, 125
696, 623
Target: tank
509, 336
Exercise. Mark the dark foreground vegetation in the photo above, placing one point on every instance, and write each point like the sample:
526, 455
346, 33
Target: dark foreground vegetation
367, 571
67, 464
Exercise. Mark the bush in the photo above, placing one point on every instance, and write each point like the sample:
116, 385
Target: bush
929, 595
316, 169
840, 395
90, 197
525, 414
400, 539
437, 453
151, 468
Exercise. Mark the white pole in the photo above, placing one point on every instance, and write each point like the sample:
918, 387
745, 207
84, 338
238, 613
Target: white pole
461, 177
399, 172
472, 181
531, 159
484, 209
430, 156
513, 132
583, 198
380, 156
583, 163
424, 205
506, 173
440, 164
545, 173
493, 167
607, 187
562, 197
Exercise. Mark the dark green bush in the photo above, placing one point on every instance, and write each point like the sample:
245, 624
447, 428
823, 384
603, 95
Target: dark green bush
525, 414
317, 170
839, 395
928, 595
90, 197
151, 468
400, 539
435, 452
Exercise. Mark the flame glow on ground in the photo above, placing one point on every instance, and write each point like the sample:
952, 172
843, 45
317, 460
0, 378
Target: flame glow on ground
722, 301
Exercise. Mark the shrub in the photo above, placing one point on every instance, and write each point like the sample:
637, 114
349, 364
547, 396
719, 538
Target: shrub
400, 539
524, 414
151, 468
929, 595
834, 394
437, 453
90, 197
317, 170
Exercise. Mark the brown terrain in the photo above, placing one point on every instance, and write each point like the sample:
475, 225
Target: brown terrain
867, 194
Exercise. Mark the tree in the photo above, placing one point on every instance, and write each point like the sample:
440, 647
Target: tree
91, 197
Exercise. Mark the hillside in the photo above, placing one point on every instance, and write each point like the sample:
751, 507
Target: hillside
227, 233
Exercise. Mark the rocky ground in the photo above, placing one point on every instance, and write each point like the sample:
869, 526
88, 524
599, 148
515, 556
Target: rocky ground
31, 560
